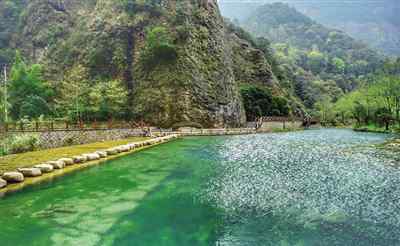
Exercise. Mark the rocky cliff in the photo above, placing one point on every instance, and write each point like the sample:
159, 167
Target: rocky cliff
176, 59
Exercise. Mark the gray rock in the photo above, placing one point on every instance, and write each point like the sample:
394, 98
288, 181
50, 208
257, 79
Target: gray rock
112, 151
45, 168
102, 154
124, 148
79, 159
3, 183
67, 161
57, 164
30, 172
92, 157
13, 177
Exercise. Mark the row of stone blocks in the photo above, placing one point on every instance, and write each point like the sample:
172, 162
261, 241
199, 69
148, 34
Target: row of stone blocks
48, 167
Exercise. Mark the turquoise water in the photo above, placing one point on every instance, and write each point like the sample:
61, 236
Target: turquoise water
322, 187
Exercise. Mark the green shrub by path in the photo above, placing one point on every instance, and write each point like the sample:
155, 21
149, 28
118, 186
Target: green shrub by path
12, 162
21, 144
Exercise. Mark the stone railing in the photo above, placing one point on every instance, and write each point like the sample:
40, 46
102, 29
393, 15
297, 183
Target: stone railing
215, 132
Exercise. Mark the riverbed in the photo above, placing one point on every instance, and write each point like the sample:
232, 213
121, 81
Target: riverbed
317, 187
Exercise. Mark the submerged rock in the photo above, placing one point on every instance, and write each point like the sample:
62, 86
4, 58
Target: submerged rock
67, 161
13, 177
57, 164
30, 172
3, 183
45, 168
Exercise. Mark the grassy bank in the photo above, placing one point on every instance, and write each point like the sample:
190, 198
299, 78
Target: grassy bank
12, 162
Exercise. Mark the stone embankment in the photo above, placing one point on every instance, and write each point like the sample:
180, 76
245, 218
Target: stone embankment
23, 174
207, 132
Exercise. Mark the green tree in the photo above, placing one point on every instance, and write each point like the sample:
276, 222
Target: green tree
339, 65
74, 90
260, 102
316, 61
28, 93
108, 99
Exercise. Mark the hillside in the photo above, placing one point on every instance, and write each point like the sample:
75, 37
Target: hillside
374, 22
320, 63
164, 62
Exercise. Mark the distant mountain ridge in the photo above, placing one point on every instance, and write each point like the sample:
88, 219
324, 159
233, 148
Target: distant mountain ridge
374, 22
319, 63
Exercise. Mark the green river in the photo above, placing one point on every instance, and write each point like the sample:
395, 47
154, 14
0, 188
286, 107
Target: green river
317, 187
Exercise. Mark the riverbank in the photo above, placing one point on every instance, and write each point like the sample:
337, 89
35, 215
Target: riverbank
393, 145
81, 162
12, 162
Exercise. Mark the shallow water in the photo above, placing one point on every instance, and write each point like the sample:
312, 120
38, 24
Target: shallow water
322, 187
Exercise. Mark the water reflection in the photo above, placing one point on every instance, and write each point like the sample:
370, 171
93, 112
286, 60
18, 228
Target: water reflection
311, 188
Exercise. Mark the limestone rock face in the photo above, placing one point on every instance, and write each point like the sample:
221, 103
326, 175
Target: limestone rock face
200, 86
30, 172
45, 168
13, 177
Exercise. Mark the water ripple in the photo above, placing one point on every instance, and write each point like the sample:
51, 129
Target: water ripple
324, 180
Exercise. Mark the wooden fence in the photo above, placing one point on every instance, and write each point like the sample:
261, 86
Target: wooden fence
45, 126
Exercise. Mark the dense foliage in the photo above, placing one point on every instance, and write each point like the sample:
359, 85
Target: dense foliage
161, 62
314, 62
28, 94
260, 102
10, 11
376, 102
159, 49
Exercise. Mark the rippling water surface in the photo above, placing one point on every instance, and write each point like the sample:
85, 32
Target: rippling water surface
322, 187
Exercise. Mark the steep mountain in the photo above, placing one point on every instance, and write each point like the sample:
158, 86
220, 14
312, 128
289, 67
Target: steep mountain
320, 62
177, 60
376, 23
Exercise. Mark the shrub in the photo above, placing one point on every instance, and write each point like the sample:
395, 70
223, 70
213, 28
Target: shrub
21, 144
159, 48
3, 150
259, 101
